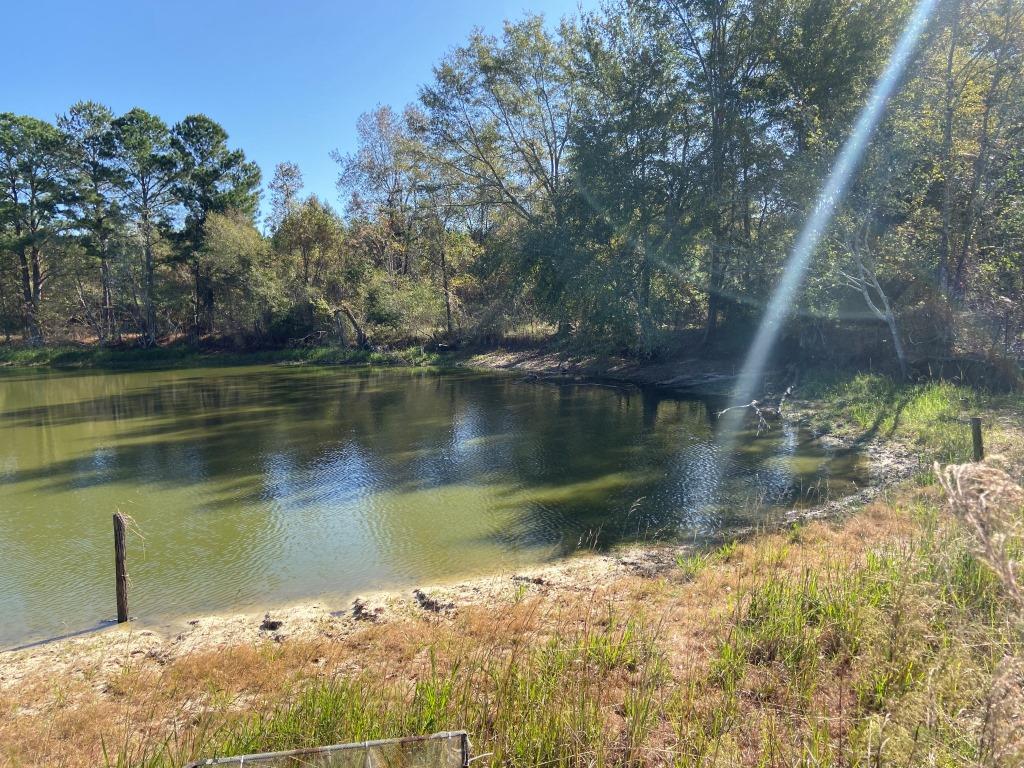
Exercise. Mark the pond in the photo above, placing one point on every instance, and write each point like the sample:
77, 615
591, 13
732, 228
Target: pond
252, 487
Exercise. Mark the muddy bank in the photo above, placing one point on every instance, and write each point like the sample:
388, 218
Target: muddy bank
889, 461
696, 375
97, 655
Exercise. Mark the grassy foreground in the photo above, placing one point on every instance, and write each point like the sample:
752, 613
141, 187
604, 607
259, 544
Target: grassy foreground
882, 639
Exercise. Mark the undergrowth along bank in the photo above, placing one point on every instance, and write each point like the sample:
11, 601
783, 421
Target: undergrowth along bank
121, 358
932, 417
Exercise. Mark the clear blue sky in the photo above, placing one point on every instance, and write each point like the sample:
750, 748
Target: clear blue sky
286, 78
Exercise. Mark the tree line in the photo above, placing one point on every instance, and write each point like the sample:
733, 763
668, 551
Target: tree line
630, 179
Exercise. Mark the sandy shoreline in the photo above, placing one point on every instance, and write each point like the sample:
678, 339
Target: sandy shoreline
97, 654
100, 652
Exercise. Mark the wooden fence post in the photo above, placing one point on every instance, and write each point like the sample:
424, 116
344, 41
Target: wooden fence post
979, 446
120, 571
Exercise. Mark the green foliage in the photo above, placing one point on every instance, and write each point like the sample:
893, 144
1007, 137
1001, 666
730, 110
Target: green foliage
33, 158
235, 265
403, 308
690, 564
118, 358
633, 178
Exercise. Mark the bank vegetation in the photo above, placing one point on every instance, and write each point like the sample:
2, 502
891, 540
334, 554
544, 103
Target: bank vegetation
628, 180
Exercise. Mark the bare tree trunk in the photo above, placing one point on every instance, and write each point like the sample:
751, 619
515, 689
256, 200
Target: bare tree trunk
27, 314
31, 288
4, 308
447, 292
148, 298
897, 342
647, 328
94, 322
867, 283
362, 340
946, 252
107, 312
714, 287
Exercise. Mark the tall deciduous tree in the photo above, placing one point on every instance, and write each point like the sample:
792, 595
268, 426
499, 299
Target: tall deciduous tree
381, 175
500, 114
501, 111
236, 262
284, 194
634, 158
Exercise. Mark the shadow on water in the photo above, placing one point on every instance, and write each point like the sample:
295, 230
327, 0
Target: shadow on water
268, 484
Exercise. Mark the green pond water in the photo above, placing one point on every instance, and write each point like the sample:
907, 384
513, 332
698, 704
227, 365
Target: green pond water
253, 487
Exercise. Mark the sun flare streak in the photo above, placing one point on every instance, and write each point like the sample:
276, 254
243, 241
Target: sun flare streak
831, 194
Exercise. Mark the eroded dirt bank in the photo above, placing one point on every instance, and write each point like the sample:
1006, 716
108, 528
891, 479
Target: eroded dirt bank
697, 375
106, 651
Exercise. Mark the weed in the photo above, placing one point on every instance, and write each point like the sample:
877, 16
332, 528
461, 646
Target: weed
692, 563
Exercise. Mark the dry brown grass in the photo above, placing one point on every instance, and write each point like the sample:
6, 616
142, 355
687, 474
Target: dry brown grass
990, 505
134, 695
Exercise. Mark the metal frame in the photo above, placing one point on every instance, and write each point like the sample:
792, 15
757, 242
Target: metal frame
463, 736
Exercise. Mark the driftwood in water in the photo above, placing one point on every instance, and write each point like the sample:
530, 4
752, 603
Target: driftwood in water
764, 410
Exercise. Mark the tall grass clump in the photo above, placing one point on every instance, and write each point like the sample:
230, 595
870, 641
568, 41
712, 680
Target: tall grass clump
543, 705
931, 416
890, 662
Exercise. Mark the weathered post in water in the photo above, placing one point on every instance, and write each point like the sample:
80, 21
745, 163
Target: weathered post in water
120, 571
979, 446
